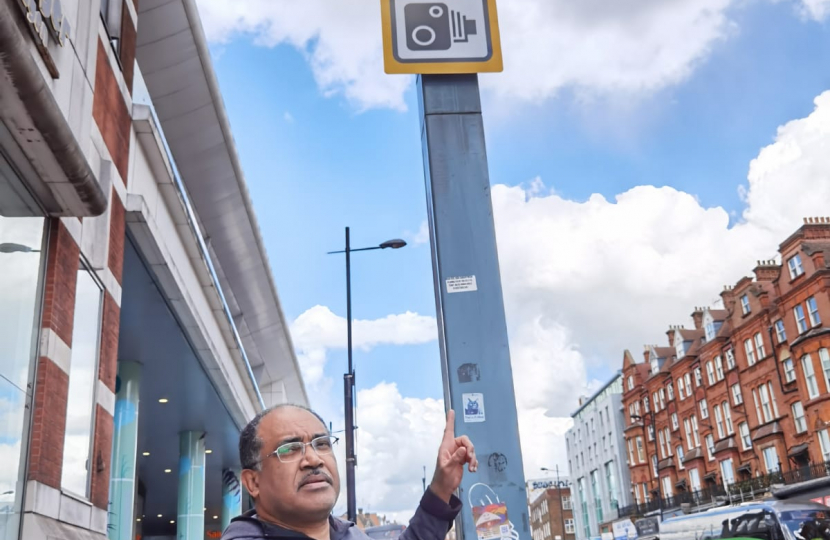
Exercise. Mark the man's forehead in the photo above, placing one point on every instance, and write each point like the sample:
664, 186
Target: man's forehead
290, 422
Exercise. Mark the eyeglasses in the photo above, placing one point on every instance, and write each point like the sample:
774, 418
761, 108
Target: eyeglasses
294, 451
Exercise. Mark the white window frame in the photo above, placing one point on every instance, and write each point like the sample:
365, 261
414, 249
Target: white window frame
799, 420
710, 447
795, 266
746, 309
737, 395
650, 431
759, 346
681, 389
662, 438
719, 422
730, 478
698, 377
688, 378
710, 372
662, 394
719, 367
687, 424
766, 403
771, 451
670, 391
780, 331
812, 311
789, 370
704, 408
810, 376
750, 352
694, 480
800, 319
656, 398
680, 457
630, 382
631, 451
668, 489
640, 449
824, 442
674, 423
824, 358
746, 438
730, 359
696, 431
645, 404
727, 417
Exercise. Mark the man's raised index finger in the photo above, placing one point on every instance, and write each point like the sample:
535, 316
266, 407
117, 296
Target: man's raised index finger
449, 431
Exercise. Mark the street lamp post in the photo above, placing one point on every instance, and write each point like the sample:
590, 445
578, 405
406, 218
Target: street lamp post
655, 471
559, 493
349, 379
16, 248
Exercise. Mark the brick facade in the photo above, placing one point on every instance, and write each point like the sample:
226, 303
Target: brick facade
48, 424
550, 516
110, 113
747, 365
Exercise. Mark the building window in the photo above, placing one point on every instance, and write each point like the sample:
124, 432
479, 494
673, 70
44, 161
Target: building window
569, 526
719, 368
704, 408
737, 396
662, 399
768, 406
688, 378
611, 484
681, 389
645, 404
796, 269
824, 441
687, 424
631, 452
824, 356
651, 432
730, 359
111, 17
812, 310
680, 456
21, 286
727, 417
667, 487
674, 424
759, 346
654, 465
810, 376
595, 489
798, 418
750, 352
670, 391
640, 454
745, 305
780, 332
789, 370
698, 378
630, 382
746, 439
771, 461
694, 480
656, 402
710, 447
710, 331
662, 445
83, 374
719, 422
800, 320
727, 472
710, 372
695, 431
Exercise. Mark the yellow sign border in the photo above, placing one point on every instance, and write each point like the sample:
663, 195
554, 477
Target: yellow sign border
391, 66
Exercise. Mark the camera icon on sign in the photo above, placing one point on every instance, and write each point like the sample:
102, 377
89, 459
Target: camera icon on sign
434, 27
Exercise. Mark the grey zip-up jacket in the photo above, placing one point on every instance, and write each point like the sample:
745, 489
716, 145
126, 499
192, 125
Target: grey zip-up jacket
432, 521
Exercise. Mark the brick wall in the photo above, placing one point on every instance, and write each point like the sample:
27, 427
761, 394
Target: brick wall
110, 325
61, 277
128, 46
101, 456
110, 113
117, 236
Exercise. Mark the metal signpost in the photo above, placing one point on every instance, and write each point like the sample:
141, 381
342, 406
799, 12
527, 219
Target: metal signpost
446, 44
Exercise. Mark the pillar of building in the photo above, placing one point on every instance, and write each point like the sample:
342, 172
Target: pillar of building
124, 451
231, 496
190, 522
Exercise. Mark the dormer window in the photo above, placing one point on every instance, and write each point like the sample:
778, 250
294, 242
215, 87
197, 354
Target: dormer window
745, 305
710, 331
679, 347
655, 365
796, 269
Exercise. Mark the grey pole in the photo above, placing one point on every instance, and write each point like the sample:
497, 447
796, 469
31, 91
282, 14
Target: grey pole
475, 358
348, 396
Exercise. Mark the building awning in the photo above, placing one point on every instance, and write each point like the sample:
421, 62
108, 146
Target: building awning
726, 444
798, 449
711, 477
665, 464
680, 484
697, 453
746, 467
773, 428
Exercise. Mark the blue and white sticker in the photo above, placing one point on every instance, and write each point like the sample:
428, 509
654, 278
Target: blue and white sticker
474, 408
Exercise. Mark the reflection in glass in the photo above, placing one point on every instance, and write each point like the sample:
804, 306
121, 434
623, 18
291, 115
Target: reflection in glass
83, 373
20, 273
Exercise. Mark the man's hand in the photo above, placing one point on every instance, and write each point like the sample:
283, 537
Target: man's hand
454, 453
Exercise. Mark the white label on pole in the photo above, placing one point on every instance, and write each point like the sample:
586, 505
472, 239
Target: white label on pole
473, 407
461, 284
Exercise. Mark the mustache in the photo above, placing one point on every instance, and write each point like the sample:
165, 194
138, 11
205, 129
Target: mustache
314, 476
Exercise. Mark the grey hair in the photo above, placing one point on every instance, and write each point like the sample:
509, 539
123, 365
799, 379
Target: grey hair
250, 443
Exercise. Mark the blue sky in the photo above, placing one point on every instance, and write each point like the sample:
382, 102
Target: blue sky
315, 164
641, 159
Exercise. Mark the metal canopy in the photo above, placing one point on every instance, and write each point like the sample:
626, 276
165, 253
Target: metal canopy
175, 61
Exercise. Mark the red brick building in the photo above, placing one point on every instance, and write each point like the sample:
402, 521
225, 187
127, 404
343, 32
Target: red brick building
740, 401
551, 515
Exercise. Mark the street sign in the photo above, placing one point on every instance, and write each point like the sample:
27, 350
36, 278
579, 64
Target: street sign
452, 36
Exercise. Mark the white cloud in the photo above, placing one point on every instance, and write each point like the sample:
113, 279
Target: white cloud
418, 238
319, 329
582, 282
595, 46
288, 117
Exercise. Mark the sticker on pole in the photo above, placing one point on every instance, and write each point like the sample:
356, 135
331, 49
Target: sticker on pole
451, 36
473, 408
461, 284
491, 521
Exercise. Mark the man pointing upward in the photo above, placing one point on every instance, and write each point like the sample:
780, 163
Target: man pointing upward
291, 473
